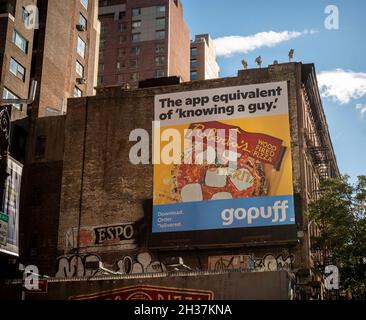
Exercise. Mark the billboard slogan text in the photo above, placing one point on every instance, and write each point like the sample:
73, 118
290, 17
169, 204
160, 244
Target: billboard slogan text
222, 159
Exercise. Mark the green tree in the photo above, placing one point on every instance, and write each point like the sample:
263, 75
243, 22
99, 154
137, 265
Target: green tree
340, 213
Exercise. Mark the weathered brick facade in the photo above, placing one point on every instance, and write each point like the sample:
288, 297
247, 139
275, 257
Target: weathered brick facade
100, 188
40, 197
55, 64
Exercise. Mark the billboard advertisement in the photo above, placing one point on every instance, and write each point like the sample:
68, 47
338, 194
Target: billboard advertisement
222, 161
10, 210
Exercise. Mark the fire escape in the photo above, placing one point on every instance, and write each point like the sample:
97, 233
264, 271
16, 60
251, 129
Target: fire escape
319, 155
317, 140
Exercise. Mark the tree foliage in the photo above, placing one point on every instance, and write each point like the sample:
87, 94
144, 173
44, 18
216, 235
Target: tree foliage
340, 213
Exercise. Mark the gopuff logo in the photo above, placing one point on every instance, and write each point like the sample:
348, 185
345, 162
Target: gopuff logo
278, 213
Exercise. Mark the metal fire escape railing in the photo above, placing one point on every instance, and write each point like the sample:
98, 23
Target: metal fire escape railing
316, 142
319, 155
320, 150
324, 146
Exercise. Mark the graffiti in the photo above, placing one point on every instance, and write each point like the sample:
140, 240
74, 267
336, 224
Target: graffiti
239, 262
142, 263
270, 262
75, 265
111, 235
114, 234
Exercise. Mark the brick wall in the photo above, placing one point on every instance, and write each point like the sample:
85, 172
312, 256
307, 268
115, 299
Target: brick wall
40, 196
100, 187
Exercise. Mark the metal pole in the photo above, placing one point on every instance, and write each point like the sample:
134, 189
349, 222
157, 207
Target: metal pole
29, 100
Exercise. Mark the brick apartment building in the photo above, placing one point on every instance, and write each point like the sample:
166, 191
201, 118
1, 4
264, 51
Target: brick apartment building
89, 189
16, 44
65, 53
59, 49
203, 59
27, 52
141, 40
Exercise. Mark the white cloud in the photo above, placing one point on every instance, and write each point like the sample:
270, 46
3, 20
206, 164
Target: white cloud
342, 86
362, 108
230, 45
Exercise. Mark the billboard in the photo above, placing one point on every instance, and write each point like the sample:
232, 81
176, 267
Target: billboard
222, 163
11, 208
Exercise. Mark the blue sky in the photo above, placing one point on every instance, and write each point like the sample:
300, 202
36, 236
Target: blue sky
344, 90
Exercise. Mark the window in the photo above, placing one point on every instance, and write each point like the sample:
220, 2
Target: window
193, 52
101, 67
194, 75
102, 43
160, 10
136, 37
135, 51
160, 35
121, 15
25, 15
7, 94
77, 92
133, 63
103, 30
79, 69
120, 78
160, 49
35, 202
136, 25
17, 69
85, 4
194, 63
160, 23
20, 41
136, 12
159, 73
122, 27
40, 146
82, 21
101, 55
134, 76
121, 64
100, 80
121, 52
160, 60
81, 47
